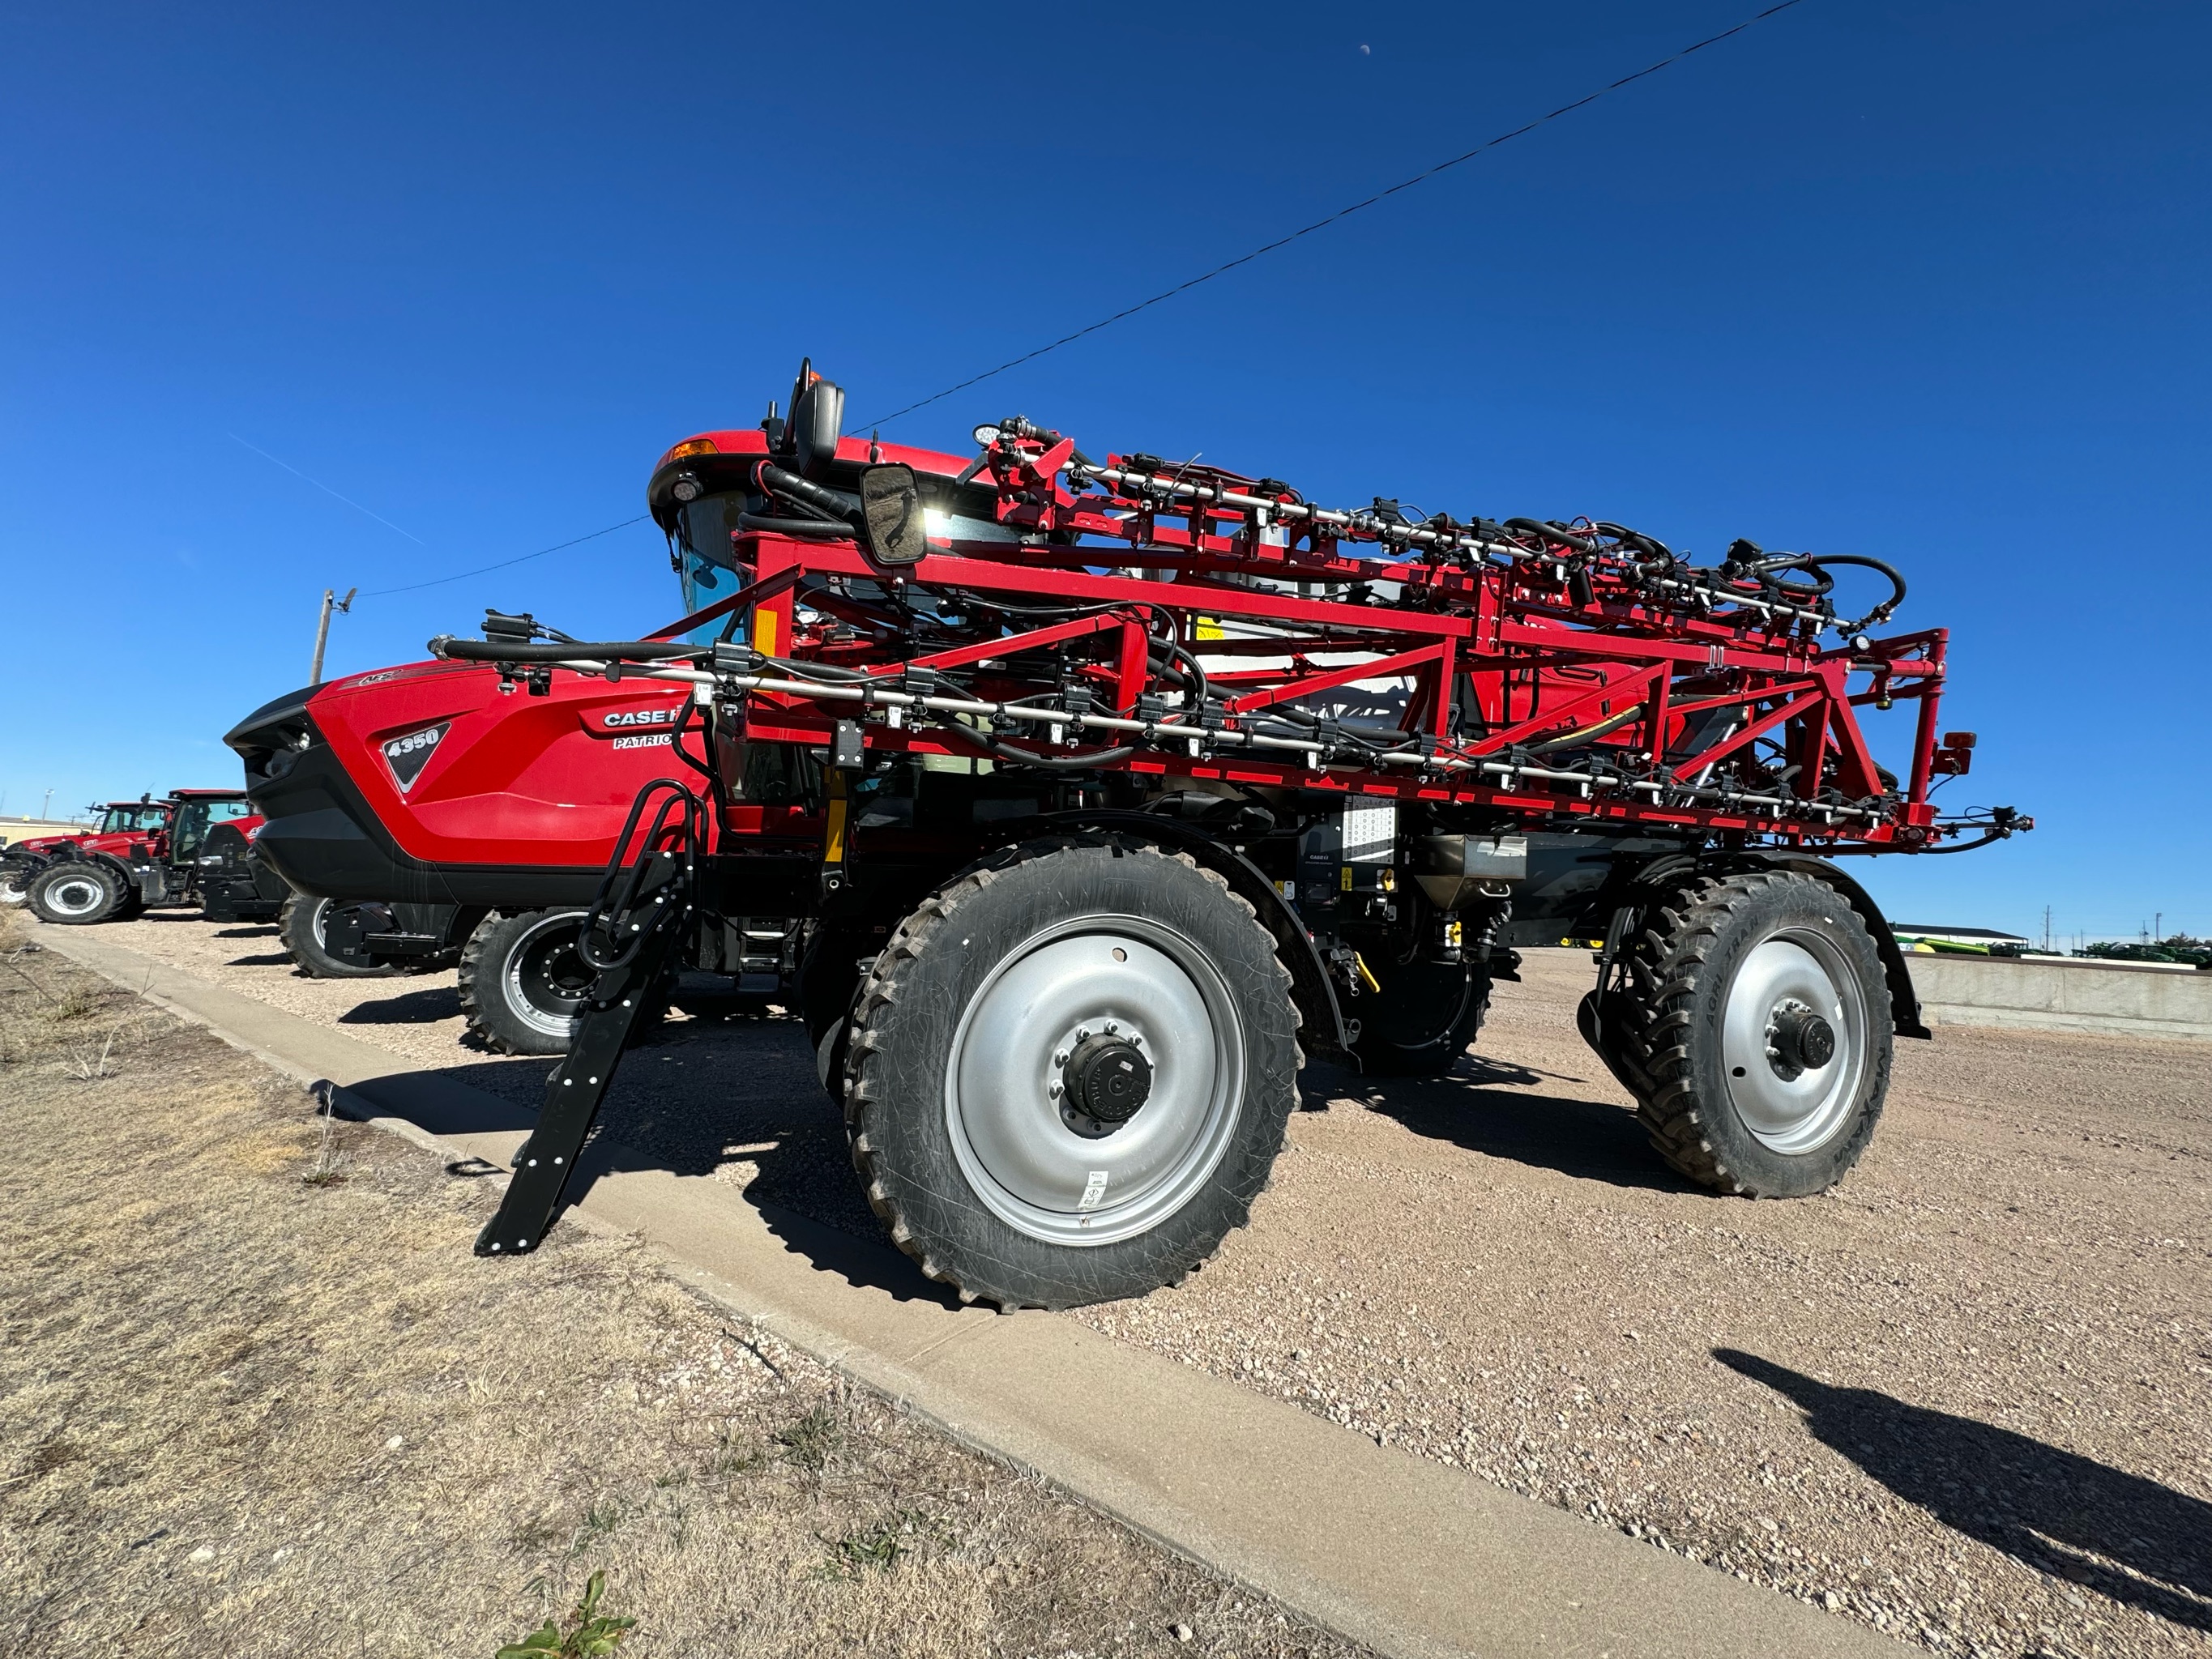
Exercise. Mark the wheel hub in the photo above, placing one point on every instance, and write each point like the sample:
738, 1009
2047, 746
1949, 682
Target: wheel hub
1094, 1079
1794, 1040
1107, 1080
1798, 1040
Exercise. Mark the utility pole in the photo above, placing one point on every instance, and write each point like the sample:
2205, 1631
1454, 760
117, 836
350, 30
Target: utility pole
2046, 929
2157, 926
44, 803
331, 602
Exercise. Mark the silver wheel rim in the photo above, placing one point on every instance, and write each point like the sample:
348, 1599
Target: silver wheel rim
13, 892
1119, 976
521, 959
1792, 969
76, 896
316, 918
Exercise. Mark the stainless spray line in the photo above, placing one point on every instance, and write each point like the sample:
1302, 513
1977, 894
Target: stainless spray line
1262, 510
898, 704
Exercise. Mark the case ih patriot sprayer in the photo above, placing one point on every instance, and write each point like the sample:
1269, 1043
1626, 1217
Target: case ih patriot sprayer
1089, 798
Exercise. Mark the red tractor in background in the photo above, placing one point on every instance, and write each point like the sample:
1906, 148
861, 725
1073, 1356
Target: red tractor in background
118, 824
145, 853
1087, 800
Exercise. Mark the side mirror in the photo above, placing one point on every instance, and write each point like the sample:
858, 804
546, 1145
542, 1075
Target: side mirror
817, 419
896, 527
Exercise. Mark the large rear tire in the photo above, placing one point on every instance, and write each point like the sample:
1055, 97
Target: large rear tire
1758, 1029
301, 927
1422, 1020
76, 893
1069, 1073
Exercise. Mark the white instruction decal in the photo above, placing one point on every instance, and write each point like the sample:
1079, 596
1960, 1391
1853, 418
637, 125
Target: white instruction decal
1094, 1191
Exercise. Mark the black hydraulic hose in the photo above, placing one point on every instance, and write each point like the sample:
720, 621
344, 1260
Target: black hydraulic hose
1552, 532
806, 529
1057, 762
1888, 608
828, 502
446, 645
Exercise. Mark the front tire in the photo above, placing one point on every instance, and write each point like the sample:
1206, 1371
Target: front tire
523, 985
76, 893
1069, 1073
302, 927
1763, 1031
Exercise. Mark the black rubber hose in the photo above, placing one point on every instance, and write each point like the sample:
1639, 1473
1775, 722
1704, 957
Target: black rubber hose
1056, 763
821, 530
1552, 532
1888, 608
444, 644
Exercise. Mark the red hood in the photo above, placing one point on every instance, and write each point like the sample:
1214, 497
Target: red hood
87, 841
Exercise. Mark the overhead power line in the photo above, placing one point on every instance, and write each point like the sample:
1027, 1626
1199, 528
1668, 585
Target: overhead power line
1341, 213
381, 592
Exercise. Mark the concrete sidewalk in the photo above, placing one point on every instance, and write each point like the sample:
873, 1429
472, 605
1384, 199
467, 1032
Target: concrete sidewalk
1404, 1555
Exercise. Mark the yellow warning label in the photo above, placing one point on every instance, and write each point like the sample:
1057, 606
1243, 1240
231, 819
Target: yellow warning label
1209, 628
764, 631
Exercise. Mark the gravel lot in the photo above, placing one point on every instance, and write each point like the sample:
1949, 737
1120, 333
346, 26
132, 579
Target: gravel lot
1964, 1399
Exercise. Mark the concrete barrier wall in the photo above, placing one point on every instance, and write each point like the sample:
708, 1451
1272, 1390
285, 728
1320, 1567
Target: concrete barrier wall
2064, 995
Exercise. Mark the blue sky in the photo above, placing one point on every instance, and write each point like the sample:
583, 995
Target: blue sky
1925, 281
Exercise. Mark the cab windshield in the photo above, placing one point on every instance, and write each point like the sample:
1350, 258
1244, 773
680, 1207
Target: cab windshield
139, 818
194, 819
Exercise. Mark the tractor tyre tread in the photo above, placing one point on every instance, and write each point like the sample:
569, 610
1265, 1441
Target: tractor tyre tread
916, 939
1668, 961
295, 928
116, 887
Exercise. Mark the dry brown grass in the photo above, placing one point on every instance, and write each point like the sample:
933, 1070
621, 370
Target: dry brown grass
246, 1413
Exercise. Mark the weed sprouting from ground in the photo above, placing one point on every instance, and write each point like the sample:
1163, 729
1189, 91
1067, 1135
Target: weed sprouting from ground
89, 1065
879, 1547
598, 1520
329, 1155
809, 1441
585, 1633
78, 1002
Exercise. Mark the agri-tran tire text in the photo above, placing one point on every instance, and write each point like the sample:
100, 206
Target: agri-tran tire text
1422, 1019
76, 893
302, 927
1755, 1029
1069, 1072
522, 981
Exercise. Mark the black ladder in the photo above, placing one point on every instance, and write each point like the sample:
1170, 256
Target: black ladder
634, 929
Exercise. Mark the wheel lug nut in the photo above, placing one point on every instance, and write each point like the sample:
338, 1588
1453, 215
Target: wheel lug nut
1112, 1026
1060, 1059
1052, 1089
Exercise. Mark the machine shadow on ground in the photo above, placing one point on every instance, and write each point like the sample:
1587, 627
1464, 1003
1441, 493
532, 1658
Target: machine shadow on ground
2117, 1534
697, 1096
1481, 1108
423, 1007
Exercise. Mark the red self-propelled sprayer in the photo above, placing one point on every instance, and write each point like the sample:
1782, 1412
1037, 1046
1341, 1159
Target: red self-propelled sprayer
1111, 789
